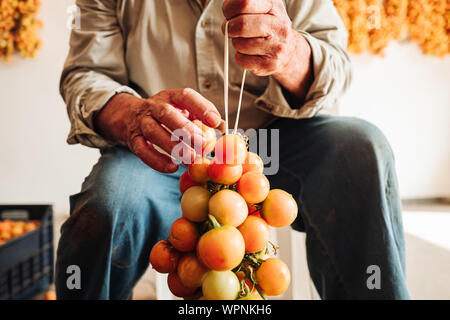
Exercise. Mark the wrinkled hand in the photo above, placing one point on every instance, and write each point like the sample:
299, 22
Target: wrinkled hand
142, 123
262, 35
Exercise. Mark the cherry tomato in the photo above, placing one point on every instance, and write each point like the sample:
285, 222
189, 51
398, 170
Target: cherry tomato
220, 285
231, 149
194, 204
177, 287
186, 182
221, 249
273, 277
198, 171
196, 296
228, 207
253, 187
253, 162
279, 209
191, 271
223, 173
163, 257
256, 234
209, 135
183, 235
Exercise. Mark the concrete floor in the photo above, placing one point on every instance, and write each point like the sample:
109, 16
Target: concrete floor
427, 252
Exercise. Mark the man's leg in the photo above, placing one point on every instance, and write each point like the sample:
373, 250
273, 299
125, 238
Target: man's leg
123, 209
342, 172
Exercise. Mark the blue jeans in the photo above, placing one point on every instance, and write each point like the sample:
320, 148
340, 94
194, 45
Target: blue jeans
340, 170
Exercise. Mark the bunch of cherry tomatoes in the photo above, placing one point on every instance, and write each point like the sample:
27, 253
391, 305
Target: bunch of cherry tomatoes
220, 248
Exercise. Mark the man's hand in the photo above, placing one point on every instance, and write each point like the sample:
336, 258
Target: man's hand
140, 123
266, 43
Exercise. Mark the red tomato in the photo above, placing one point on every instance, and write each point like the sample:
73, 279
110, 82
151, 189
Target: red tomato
273, 277
163, 257
279, 209
252, 163
228, 207
183, 235
177, 287
221, 249
253, 187
223, 173
186, 182
198, 171
191, 271
256, 234
231, 149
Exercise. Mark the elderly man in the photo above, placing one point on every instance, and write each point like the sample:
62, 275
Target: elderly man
136, 68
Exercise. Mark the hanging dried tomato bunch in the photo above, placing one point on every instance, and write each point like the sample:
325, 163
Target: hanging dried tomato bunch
18, 28
373, 24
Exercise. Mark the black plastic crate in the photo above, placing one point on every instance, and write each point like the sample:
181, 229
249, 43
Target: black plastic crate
26, 262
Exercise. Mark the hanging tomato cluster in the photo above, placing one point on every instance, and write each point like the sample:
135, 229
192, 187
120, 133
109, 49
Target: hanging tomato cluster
220, 248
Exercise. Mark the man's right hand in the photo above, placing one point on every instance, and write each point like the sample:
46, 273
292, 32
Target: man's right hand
140, 123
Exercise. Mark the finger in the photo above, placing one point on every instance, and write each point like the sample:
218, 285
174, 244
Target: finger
254, 46
232, 8
154, 132
184, 112
195, 103
259, 65
151, 157
173, 120
251, 26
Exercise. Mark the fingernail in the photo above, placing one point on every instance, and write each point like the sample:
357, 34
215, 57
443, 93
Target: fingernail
213, 119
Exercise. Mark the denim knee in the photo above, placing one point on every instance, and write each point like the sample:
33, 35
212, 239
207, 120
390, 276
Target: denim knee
358, 144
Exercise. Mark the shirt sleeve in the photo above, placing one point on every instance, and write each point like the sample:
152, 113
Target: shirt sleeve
319, 22
94, 70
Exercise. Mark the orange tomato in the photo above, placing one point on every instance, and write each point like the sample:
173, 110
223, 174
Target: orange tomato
163, 257
256, 234
209, 135
253, 187
221, 249
177, 287
191, 271
223, 173
183, 235
228, 207
273, 277
253, 162
231, 149
198, 171
186, 182
279, 209
194, 204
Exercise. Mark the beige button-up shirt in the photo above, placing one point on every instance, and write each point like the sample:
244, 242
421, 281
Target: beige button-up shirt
145, 46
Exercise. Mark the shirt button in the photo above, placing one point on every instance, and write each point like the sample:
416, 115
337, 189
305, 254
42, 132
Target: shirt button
207, 84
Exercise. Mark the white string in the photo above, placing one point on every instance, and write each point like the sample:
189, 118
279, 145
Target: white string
225, 72
240, 102
226, 77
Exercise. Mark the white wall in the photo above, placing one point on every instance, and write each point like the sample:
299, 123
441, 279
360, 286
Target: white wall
406, 94
36, 165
